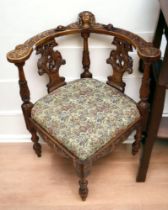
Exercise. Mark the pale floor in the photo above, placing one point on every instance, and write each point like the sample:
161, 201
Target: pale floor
50, 183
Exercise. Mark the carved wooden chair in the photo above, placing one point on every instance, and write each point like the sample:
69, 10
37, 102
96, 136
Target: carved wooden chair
86, 118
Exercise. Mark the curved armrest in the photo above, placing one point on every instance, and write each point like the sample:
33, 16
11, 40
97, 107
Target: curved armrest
86, 22
145, 49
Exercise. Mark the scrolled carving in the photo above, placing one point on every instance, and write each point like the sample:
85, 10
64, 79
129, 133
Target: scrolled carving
121, 62
49, 63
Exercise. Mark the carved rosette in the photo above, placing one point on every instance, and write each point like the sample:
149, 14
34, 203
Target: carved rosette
121, 62
49, 63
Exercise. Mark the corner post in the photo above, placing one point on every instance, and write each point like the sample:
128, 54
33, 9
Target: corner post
27, 107
143, 104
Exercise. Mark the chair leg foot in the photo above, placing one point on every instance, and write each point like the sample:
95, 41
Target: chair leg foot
136, 145
83, 170
37, 149
36, 145
83, 189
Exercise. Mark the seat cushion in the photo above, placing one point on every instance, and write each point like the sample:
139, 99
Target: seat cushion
84, 115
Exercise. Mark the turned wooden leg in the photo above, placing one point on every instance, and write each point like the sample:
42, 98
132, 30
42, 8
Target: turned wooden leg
83, 170
83, 189
136, 145
36, 145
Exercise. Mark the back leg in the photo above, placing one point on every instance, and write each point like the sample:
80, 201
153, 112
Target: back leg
136, 145
26, 108
36, 145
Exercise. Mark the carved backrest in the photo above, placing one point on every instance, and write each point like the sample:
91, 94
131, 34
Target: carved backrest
51, 60
120, 60
49, 63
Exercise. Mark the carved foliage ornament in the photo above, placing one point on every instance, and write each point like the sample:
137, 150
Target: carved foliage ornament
49, 63
121, 62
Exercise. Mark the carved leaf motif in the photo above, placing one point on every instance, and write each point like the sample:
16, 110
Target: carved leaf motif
49, 63
121, 62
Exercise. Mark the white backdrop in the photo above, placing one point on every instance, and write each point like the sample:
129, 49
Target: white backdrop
21, 19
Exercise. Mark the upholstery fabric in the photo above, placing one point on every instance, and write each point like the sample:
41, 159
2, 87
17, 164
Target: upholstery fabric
84, 115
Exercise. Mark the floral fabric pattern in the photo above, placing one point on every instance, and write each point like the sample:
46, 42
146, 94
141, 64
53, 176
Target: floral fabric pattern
84, 115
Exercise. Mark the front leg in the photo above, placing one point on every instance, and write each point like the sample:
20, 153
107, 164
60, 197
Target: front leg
36, 145
83, 170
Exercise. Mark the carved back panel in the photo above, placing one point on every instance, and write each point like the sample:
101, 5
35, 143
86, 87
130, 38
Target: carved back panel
121, 62
49, 63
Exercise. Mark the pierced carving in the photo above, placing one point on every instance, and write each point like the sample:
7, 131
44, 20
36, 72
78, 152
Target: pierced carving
50, 63
121, 62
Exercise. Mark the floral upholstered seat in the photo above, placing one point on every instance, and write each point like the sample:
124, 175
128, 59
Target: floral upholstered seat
84, 115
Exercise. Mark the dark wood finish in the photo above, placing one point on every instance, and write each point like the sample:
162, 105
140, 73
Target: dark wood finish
50, 62
22, 52
26, 108
86, 57
163, 128
24, 90
156, 121
152, 132
138, 137
121, 62
164, 6
144, 105
83, 170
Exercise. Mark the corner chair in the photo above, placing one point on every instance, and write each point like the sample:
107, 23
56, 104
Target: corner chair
84, 119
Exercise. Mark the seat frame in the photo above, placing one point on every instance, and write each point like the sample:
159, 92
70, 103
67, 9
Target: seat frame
50, 62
